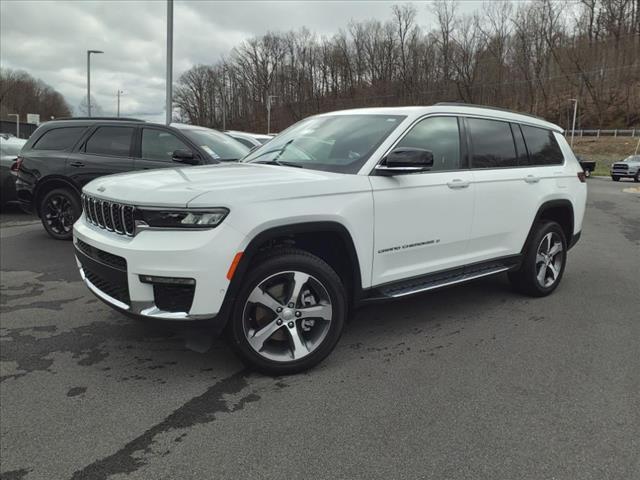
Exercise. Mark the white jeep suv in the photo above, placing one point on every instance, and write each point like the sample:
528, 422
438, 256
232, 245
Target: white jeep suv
340, 209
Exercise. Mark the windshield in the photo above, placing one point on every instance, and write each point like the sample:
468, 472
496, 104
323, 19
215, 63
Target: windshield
218, 145
336, 143
632, 158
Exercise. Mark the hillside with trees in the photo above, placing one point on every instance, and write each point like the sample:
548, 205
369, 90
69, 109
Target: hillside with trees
528, 56
21, 93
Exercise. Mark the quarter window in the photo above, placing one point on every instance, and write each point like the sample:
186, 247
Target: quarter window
160, 145
59, 138
114, 141
542, 145
492, 144
441, 136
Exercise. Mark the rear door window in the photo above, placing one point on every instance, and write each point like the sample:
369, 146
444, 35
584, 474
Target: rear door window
439, 135
542, 145
492, 144
59, 138
114, 141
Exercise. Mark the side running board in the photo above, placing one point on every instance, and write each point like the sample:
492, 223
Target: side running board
444, 279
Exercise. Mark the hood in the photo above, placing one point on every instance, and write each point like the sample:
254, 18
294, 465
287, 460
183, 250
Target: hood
177, 187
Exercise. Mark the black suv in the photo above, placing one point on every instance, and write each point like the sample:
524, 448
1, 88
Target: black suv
61, 156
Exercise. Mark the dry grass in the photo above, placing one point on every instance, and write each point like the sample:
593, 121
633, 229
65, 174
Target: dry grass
604, 150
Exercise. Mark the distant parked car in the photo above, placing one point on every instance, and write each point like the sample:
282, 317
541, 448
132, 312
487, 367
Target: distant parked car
63, 155
9, 149
251, 140
588, 166
629, 168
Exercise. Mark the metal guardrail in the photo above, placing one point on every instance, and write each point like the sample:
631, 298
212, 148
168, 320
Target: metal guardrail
634, 132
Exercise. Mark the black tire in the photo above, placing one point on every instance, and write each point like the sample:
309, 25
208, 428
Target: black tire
525, 280
59, 209
278, 263
637, 177
615, 178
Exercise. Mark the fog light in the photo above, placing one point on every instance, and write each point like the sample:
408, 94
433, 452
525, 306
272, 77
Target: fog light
167, 280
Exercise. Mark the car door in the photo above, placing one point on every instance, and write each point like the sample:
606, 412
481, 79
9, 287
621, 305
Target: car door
106, 150
423, 220
156, 149
508, 188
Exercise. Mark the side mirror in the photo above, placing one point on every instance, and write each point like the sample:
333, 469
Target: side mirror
406, 160
185, 156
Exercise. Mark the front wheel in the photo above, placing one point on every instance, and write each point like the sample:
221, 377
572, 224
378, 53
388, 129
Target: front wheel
543, 263
289, 313
59, 209
615, 178
637, 177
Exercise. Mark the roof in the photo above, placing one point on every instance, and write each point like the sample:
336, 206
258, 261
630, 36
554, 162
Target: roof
454, 108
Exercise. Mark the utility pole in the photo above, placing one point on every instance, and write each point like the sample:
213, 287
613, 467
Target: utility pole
17, 115
269, 97
118, 93
169, 95
575, 110
89, 52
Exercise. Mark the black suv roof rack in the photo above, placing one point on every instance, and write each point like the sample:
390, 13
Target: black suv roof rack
118, 119
487, 107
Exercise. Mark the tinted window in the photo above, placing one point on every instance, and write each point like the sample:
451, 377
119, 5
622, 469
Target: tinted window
160, 145
441, 136
245, 142
59, 138
218, 146
110, 141
521, 149
492, 144
542, 146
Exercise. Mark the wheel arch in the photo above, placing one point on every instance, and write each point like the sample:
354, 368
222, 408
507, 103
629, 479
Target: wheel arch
302, 235
560, 211
49, 183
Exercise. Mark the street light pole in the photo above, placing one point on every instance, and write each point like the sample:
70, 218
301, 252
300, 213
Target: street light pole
169, 95
575, 110
118, 93
269, 97
224, 99
89, 52
17, 115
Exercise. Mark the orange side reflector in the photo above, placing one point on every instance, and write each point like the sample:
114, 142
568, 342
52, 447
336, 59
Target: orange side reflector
234, 265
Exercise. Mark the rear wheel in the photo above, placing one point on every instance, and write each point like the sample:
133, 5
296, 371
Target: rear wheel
289, 313
615, 178
543, 263
59, 209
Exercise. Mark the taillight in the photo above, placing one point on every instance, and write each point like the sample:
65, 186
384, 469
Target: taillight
16, 165
582, 177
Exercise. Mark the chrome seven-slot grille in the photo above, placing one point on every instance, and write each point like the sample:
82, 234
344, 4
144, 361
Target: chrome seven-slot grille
115, 217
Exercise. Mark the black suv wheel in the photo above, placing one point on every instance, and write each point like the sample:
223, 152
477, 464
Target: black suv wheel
59, 209
289, 313
543, 263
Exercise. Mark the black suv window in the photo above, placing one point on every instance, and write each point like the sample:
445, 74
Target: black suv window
160, 144
441, 136
492, 144
542, 146
114, 141
59, 138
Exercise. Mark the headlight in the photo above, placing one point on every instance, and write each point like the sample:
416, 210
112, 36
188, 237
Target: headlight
197, 219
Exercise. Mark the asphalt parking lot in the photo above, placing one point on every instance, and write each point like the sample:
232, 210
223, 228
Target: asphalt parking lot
472, 382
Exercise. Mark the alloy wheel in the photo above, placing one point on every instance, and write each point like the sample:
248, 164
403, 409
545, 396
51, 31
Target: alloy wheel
58, 213
287, 316
549, 259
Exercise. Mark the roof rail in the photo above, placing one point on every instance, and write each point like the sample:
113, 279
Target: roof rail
120, 119
463, 104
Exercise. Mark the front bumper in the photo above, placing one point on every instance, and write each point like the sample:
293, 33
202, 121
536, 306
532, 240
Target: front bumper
113, 274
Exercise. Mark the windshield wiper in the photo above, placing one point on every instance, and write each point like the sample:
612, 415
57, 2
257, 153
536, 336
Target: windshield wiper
279, 152
279, 162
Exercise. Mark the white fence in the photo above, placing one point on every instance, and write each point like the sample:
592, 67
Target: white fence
604, 133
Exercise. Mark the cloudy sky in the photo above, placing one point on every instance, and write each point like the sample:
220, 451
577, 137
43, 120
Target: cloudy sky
48, 39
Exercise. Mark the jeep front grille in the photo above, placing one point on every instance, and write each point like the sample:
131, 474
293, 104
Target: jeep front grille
112, 216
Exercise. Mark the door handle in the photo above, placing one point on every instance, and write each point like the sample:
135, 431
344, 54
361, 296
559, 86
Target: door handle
531, 179
77, 164
458, 183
